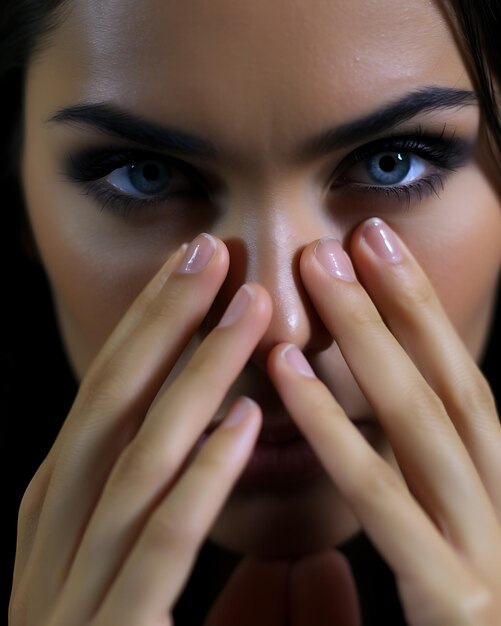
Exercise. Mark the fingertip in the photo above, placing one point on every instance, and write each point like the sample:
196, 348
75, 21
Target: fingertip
243, 408
262, 300
307, 255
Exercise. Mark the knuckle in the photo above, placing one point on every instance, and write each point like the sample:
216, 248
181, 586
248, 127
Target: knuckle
366, 318
414, 293
209, 378
108, 383
141, 464
474, 395
166, 531
208, 463
476, 607
374, 480
33, 499
174, 302
423, 403
103, 389
160, 311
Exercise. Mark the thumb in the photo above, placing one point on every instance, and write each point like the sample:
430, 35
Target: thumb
256, 593
323, 591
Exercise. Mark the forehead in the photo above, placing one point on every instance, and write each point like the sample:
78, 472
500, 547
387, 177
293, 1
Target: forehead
261, 73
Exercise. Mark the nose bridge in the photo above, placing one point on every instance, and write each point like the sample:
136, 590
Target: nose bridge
265, 247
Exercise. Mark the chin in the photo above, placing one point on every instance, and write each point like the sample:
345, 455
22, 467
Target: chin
284, 523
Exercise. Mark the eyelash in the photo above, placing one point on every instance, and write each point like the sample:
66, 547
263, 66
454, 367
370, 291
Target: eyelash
444, 154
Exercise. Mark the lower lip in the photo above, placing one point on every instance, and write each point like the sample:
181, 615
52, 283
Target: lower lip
286, 464
281, 464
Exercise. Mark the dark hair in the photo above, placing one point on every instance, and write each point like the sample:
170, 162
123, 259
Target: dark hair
25, 28
479, 27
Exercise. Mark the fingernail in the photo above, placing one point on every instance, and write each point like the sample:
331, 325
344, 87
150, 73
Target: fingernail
237, 306
296, 359
380, 238
333, 259
238, 413
197, 256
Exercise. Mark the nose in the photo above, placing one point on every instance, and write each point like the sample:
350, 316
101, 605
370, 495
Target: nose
265, 246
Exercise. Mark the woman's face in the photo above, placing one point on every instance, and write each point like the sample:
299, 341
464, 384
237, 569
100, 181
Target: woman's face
258, 81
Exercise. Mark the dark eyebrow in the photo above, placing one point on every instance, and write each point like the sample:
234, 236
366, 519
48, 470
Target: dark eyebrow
126, 125
116, 121
416, 102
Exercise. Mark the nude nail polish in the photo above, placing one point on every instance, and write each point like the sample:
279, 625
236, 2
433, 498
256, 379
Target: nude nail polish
331, 256
380, 238
197, 256
237, 306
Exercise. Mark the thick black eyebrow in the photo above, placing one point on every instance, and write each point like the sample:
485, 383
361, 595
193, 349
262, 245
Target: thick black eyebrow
126, 125
412, 104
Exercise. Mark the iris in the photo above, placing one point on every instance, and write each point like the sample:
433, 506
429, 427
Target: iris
389, 168
148, 177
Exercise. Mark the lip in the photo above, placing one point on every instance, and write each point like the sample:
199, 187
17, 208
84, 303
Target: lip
282, 457
281, 464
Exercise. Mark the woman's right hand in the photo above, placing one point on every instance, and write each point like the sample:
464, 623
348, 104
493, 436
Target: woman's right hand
110, 526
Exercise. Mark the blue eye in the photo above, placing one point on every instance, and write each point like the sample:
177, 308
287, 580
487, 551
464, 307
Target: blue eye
387, 169
143, 179
131, 181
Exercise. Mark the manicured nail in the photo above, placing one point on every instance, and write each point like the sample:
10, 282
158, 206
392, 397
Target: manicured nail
197, 256
296, 359
238, 413
380, 238
237, 306
333, 259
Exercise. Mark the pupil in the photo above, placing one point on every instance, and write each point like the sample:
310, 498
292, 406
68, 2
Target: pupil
389, 168
387, 163
150, 171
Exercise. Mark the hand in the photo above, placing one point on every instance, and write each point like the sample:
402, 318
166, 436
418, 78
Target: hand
111, 523
437, 524
318, 589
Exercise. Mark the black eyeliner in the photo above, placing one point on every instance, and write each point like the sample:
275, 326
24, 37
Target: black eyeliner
444, 152
448, 152
96, 162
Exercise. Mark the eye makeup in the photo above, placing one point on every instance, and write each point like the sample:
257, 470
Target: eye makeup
440, 154
436, 154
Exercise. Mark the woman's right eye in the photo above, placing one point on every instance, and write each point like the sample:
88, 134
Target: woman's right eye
149, 178
126, 180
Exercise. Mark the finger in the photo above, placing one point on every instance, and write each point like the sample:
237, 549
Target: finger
256, 593
34, 496
115, 395
428, 449
29, 514
390, 515
153, 460
323, 592
154, 574
410, 307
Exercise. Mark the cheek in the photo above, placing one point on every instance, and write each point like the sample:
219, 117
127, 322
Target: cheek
96, 265
460, 250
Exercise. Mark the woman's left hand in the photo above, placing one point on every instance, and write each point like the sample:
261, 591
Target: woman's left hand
437, 524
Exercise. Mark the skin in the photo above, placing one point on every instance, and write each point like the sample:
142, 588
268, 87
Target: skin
289, 75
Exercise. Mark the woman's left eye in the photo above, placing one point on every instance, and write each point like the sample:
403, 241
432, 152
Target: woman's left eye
387, 169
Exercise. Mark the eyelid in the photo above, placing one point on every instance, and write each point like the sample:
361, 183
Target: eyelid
94, 163
446, 153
